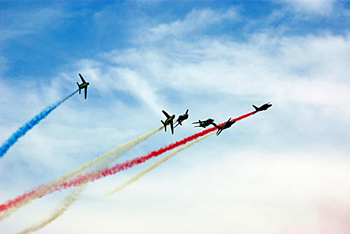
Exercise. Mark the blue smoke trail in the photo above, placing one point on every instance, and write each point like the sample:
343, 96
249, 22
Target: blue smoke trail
29, 125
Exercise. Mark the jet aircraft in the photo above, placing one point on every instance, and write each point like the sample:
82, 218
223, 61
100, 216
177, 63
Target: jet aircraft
263, 107
181, 118
228, 124
83, 85
204, 123
169, 120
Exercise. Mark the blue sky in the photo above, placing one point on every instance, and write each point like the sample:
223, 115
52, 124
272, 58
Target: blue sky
285, 170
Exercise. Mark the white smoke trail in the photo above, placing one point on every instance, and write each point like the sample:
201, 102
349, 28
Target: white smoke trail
110, 157
159, 162
61, 208
75, 194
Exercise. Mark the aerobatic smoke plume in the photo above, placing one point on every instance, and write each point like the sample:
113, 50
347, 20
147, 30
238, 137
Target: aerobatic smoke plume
12, 206
92, 176
75, 194
159, 162
61, 208
29, 125
64, 183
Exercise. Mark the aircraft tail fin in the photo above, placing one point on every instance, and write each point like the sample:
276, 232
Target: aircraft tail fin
256, 108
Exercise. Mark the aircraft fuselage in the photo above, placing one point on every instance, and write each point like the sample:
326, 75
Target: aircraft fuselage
182, 117
204, 123
83, 85
228, 124
263, 107
168, 121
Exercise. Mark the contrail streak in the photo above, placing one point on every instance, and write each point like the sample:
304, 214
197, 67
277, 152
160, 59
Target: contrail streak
61, 208
159, 162
110, 156
29, 125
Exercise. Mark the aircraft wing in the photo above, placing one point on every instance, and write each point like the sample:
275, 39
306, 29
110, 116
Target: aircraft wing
219, 131
172, 126
82, 79
223, 126
166, 114
178, 122
85, 92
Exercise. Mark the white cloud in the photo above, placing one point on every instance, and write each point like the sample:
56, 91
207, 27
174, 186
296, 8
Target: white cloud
319, 7
309, 70
28, 22
242, 191
195, 21
231, 183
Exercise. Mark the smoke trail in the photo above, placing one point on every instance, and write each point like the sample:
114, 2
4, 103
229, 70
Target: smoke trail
110, 156
29, 125
159, 162
90, 177
71, 198
75, 194
61, 208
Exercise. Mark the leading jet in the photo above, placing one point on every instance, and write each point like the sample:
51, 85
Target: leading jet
83, 85
169, 120
263, 107
228, 124
181, 118
204, 123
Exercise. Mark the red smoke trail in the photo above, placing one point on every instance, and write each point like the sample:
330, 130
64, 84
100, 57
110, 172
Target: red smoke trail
12, 203
92, 176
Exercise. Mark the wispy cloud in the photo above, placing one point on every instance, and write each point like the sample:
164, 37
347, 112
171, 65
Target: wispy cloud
279, 67
196, 21
315, 7
271, 168
23, 22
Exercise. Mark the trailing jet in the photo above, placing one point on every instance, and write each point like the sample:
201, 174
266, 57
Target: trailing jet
228, 124
263, 107
169, 120
83, 85
181, 118
204, 123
